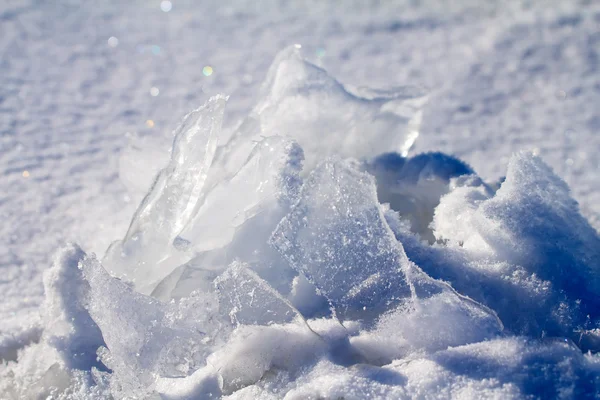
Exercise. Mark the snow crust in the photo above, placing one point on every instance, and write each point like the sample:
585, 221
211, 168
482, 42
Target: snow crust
306, 256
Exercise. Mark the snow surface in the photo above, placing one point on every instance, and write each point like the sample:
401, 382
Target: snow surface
299, 239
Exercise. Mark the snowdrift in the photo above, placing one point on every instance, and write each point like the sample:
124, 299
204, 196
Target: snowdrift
308, 256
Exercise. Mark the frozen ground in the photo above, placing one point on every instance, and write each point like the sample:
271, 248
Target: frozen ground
84, 87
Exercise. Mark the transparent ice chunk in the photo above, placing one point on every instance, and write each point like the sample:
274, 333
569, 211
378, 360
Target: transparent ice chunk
171, 202
145, 338
303, 101
237, 218
337, 237
268, 180
249, 300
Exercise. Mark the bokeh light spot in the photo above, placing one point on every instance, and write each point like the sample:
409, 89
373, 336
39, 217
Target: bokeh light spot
166, 5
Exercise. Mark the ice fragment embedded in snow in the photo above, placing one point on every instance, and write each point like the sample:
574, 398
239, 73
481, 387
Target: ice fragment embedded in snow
145, 338
337, 237
248, 300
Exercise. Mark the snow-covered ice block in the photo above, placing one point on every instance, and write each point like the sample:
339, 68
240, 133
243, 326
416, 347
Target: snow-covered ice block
248, 300
171, 202
533, 220
145, 338
303, 101
338, 237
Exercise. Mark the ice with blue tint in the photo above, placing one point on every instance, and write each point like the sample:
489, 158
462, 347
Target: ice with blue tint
336, 236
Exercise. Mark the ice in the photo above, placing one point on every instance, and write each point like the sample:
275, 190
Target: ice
172, 200
248, 300
145, 338
360, 272
337, 236
266, 182
301, 100
237, 218
141, 161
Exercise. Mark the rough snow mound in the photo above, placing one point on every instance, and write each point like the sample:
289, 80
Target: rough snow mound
309, 257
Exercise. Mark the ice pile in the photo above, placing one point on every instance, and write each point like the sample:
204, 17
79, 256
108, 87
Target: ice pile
307, 256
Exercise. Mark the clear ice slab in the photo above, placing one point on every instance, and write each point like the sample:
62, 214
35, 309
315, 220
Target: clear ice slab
171, 202
337, 236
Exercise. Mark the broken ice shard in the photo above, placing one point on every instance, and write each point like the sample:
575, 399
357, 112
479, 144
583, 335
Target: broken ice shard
144, 338
248, 300
302, 101
267, 183
337, 237
237, 217
172, 200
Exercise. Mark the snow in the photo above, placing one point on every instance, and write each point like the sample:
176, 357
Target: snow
406, 207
